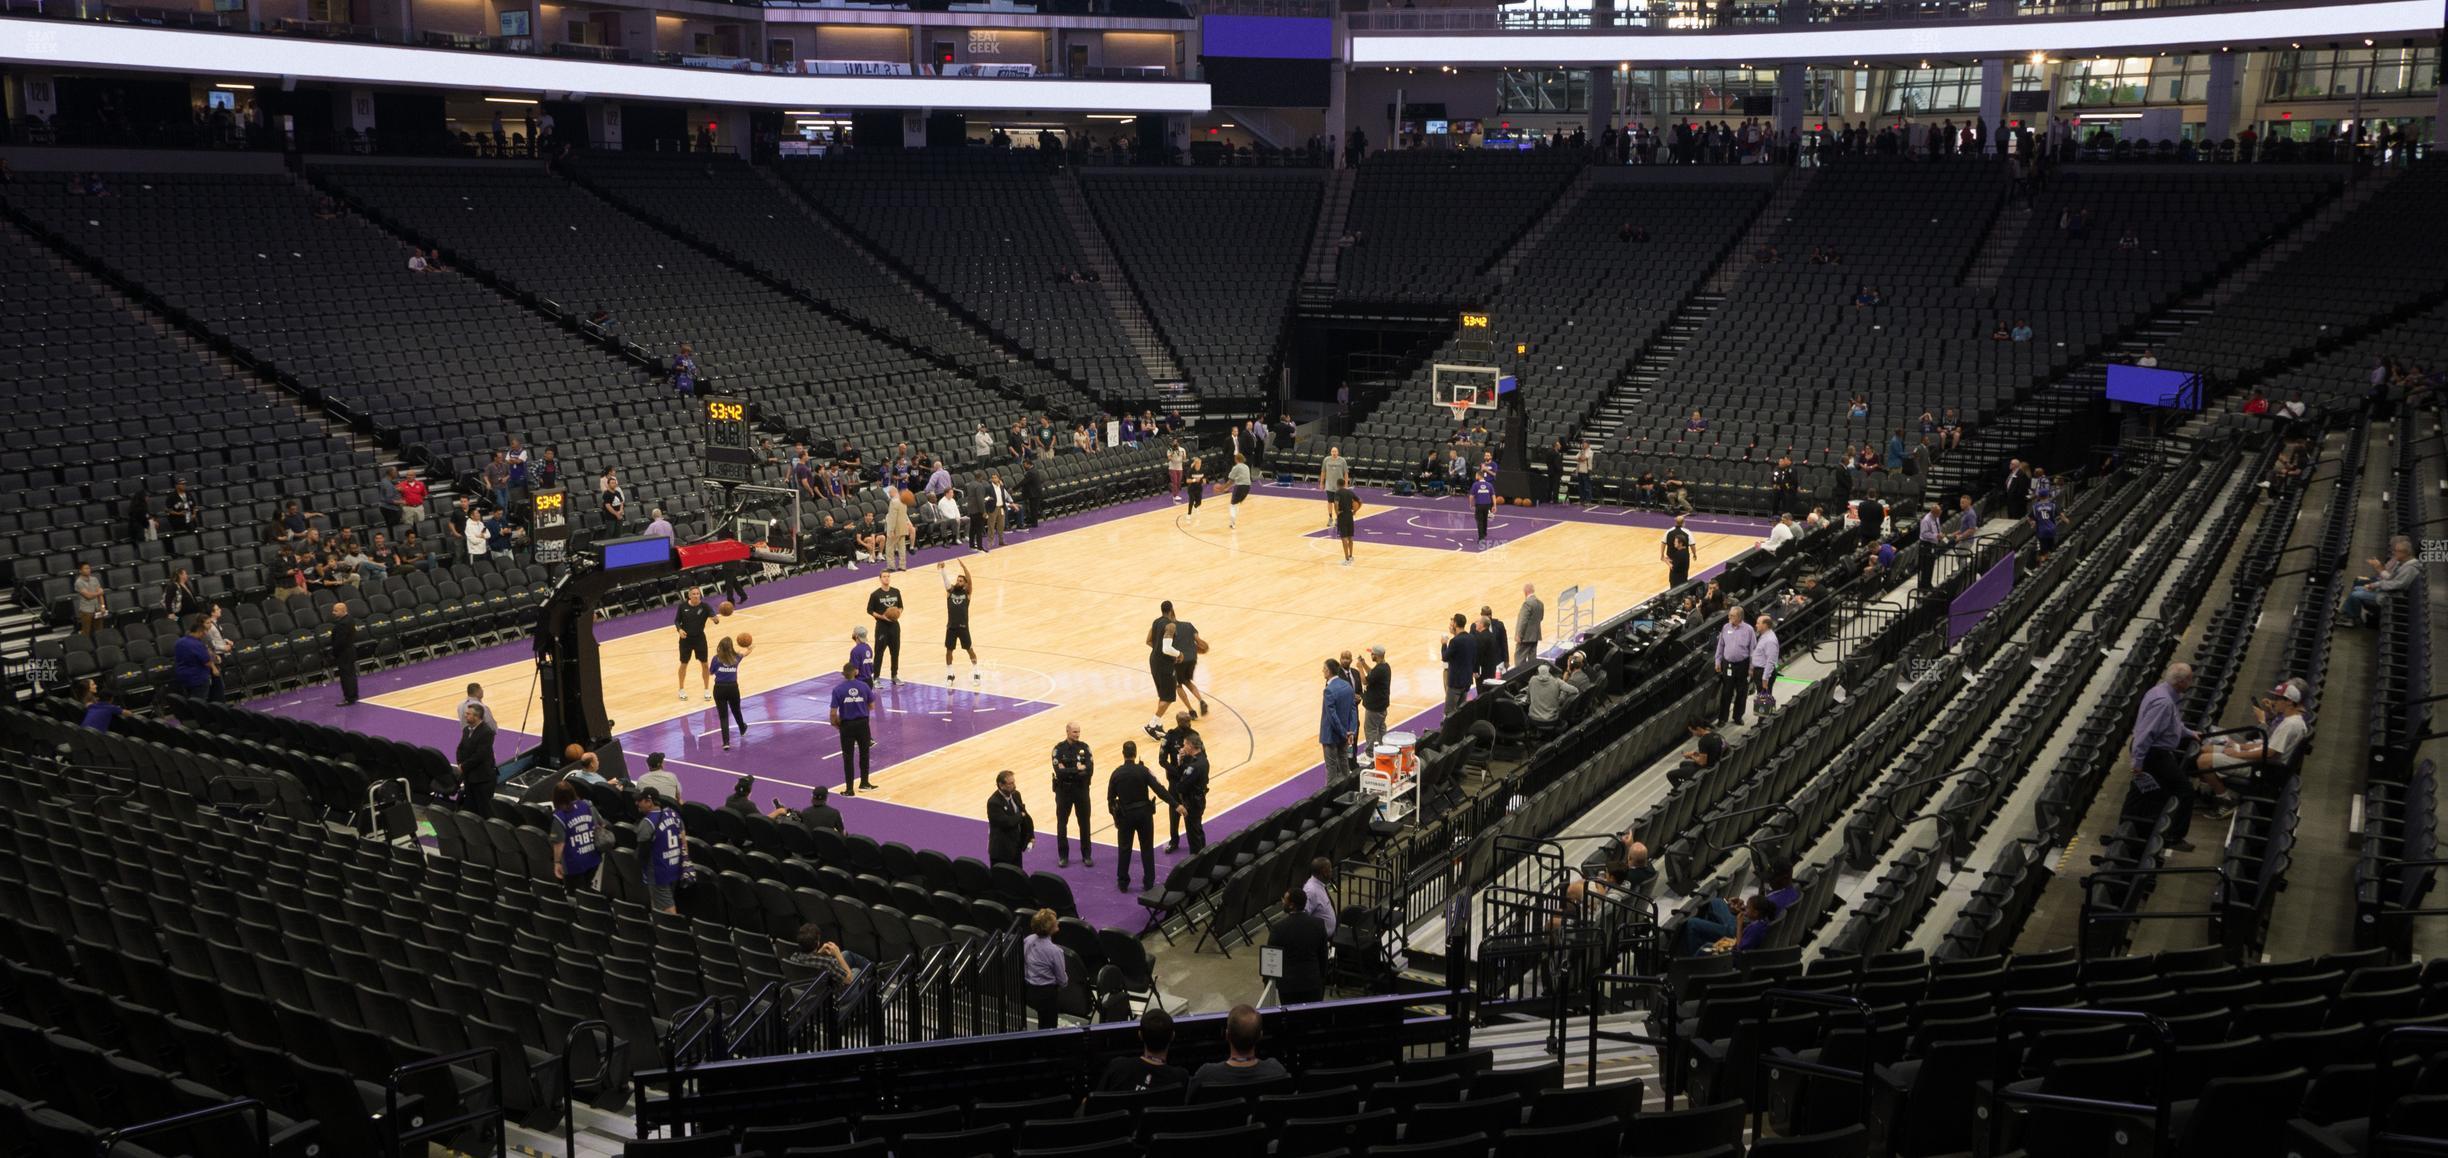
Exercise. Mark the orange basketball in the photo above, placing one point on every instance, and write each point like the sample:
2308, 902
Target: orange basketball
724, 608
892, 614
744, 639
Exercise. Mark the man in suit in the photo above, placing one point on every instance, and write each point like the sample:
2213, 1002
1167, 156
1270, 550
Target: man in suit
1032, 495
2018, 489
1303, 940
1461, 655
477, 772
1529, 624
1131, 793
1338, 722
1009, 829
1492, 646
344, 652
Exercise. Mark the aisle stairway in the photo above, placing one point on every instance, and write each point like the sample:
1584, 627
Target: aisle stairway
1646, 370
1146, 341
1317, 285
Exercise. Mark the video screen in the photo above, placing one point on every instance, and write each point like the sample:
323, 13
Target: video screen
2154, 386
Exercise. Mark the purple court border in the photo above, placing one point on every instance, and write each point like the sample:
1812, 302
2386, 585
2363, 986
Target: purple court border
1099, 902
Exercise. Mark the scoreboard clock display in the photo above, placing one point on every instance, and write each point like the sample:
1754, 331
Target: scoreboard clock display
1475, 321
549, 524
729, 451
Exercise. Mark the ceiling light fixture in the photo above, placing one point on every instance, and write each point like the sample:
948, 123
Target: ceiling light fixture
234, 86
510, 100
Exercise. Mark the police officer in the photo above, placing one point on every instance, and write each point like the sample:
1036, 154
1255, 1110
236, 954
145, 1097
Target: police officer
1130, 796
665, 845
577, 851
1169, 758
852, 699
1074, 777
1190, 789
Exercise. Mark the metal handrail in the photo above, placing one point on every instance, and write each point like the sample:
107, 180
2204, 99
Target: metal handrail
1664, 1044
1767, 1061
569, 1084
434, 1129
263, 1124
2163, 1044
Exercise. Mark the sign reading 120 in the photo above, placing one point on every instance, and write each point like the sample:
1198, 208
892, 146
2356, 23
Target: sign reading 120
726, 411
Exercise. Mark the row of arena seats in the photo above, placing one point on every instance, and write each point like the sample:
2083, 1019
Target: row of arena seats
543, 235
1426, 226
989, 233
2365, 267
1221, 293
2400, 834
727, 205
67, 474
2240, 1054
1587, 303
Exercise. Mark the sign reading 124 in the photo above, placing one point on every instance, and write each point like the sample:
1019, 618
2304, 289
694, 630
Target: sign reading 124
726, 411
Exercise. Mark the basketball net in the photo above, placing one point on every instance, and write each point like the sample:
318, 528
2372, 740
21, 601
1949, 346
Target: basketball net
1461, 411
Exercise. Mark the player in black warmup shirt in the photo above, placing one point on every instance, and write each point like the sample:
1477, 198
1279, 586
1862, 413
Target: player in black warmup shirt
691, 624
956, 620
1160, 668
887, 630
1187, 645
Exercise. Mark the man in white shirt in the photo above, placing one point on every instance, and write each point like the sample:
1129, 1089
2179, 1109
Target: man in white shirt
982, 443
416, 261
2282, 718
1317, 900
1781, 534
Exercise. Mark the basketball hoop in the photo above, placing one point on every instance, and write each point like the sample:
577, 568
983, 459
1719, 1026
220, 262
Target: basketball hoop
1461, 409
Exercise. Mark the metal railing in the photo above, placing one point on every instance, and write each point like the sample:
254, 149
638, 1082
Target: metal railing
2163, 1044
1768, 1062
489, 1116
243, 1106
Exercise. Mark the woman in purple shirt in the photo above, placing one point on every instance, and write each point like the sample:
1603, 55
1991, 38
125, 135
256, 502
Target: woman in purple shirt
1043, 969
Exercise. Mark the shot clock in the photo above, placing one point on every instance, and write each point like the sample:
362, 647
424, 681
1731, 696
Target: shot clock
548, 525
730, 452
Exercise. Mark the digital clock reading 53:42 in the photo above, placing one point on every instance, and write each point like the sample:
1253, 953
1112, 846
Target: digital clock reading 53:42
726, 411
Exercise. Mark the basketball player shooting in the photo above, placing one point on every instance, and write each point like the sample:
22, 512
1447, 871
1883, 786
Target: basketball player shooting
957, 594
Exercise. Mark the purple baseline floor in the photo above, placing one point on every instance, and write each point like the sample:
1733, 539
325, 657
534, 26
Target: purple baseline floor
808, 758
1438, 529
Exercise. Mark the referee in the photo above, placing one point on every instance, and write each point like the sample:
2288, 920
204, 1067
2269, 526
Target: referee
887, 629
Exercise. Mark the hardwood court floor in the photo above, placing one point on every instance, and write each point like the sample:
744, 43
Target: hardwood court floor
1060, 617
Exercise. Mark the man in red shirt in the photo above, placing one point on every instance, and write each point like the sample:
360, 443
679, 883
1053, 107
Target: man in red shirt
412, 498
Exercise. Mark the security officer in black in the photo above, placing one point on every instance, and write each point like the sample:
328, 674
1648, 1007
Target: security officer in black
1169, 757
1190, 788
1785, 485
1074, 777
1131, 793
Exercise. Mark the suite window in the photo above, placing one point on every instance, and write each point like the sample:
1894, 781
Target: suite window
2349, 72
1927, 90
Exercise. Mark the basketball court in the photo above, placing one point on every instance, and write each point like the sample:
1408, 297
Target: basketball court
1060, 619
